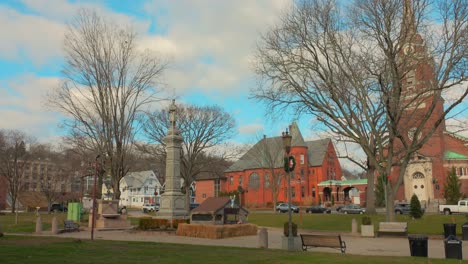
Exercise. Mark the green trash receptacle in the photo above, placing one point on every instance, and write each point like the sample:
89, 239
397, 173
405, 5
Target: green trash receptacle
74, 212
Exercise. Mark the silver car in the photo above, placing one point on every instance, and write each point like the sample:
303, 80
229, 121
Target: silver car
353, 209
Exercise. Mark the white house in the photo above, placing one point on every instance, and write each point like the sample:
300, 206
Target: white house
138, 188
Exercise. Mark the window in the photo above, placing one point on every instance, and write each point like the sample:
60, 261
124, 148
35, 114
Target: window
254, 181
231, 180
216, 188
418, 175
302, 159
267, 180
240, 180
293, 192
302, 173
313, 191
204, 195
302, 191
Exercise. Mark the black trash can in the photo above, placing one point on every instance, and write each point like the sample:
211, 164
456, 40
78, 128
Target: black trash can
453, 248
465, 231
418, 245
450, 230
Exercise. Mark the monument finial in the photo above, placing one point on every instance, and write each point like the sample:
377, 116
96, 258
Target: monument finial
172, 113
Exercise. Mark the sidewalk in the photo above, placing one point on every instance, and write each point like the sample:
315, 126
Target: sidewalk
356, 245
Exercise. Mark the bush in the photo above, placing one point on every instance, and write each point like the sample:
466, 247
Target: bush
415, 207
366, 220
286, 229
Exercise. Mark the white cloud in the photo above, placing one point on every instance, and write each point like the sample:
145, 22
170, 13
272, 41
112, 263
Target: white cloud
213, 40
29, 37
23, 108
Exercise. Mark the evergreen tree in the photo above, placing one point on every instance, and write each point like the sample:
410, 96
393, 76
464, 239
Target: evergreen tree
379, 192
452, 188
415, 207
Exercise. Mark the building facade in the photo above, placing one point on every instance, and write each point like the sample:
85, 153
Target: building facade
138, 188
429, 167
263, 165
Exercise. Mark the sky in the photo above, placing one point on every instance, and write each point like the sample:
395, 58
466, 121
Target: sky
210, 45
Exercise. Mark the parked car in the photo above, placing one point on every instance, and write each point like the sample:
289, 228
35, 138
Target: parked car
194, 205
352, 209
58, 208
150, 208
460, 208
318, 210
283, 208
402, 208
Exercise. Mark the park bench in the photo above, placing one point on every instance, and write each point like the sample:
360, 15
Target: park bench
330, 241
70, 226
393, 228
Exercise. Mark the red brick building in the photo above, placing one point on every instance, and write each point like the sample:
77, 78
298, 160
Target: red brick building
316, 165
428, 169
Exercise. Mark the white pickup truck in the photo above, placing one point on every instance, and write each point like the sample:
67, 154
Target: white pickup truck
460, 208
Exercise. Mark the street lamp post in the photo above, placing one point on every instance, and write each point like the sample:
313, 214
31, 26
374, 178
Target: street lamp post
287, 167
93, 220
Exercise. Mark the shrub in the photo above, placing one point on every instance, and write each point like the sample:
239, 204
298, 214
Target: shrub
286, 229
366, 220
415, 207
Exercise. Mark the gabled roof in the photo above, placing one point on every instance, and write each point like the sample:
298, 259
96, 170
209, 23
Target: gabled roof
316, 150
216, 205
457, 136
138, 178
273, 147
212, 204
297, 139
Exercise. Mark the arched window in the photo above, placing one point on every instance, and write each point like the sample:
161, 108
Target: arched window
254, 181
267, 180
418, 175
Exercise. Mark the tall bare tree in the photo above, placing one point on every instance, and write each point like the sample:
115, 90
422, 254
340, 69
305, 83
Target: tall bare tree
351, 70
204, 129
268, 155
107, 83
13, 159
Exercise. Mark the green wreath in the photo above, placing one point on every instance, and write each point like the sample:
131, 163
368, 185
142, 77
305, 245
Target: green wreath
289, 164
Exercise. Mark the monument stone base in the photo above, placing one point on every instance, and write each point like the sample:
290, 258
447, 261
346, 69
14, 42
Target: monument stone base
107, 216
172, 206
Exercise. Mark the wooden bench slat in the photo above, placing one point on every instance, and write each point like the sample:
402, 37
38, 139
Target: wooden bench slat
331, 241
393, 228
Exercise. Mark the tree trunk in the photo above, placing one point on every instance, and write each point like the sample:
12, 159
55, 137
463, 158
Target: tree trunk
370, 192
390, 206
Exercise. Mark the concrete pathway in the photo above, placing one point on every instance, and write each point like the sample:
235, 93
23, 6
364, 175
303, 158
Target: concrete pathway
356, 245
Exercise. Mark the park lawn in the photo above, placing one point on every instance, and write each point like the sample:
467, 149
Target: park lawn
24, 249
428, 224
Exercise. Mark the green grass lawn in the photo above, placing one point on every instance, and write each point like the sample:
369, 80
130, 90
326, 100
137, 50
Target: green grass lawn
428, 224
23, 249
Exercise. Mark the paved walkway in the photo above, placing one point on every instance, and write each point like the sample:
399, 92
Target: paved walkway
356, 245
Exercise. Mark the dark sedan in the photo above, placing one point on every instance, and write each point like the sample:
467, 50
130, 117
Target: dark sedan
318, 210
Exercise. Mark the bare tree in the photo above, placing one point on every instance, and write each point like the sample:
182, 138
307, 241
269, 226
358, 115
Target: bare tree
204, 129
267, 155
13, 159
107, 83
352, 71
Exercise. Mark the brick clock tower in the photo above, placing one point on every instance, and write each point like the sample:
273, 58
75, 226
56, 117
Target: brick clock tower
426, 173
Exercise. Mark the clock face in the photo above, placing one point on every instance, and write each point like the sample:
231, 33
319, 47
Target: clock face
408, 48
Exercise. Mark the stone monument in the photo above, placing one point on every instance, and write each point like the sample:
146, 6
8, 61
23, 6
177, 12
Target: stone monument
172, 203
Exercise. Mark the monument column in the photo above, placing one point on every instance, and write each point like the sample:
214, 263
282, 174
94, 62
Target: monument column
173, 200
